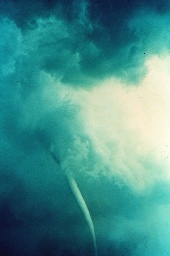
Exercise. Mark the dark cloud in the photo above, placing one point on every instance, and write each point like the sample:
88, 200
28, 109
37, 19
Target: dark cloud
90, 40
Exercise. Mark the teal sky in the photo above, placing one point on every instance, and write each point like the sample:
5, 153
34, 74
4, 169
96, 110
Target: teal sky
89, 79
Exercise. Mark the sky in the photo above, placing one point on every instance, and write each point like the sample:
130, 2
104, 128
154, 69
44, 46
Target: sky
89, 80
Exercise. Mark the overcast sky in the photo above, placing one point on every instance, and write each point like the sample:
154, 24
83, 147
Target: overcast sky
89, 79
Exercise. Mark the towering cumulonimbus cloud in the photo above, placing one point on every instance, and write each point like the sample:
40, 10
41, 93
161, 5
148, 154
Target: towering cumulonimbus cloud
90, 77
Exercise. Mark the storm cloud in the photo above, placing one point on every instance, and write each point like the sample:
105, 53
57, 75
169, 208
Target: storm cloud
90, 80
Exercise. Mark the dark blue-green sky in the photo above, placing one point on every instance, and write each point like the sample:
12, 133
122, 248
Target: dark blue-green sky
91, 80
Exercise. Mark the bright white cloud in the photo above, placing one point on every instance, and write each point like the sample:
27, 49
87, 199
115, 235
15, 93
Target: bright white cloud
130, 126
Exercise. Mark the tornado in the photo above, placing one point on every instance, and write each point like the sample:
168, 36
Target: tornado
80, 202
82, 205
